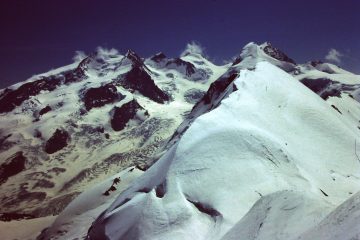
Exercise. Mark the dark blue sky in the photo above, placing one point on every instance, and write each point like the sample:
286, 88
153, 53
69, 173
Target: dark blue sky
39, 35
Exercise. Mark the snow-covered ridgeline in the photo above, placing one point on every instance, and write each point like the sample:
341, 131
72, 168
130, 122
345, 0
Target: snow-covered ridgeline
270, 135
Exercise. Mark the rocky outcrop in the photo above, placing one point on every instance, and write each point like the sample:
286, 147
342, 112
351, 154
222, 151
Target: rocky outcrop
135, 59
10, 99
237, 61
326, 88
122, 115
277, 54
57, 141
315, 63
178, 62
158, 57
98, 97
45, 110
12, 166
217, 87
138, 79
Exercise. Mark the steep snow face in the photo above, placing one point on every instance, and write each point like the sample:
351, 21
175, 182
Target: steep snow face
280, 215
339, 88
268, 134
342, 223
286, 214
66, 129
259, 156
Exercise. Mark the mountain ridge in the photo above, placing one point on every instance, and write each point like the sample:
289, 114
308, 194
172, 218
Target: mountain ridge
72, 119
258, 130
243, 122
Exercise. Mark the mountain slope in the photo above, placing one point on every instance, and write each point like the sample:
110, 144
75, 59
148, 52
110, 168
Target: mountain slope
268, 150
63, 130
255, 133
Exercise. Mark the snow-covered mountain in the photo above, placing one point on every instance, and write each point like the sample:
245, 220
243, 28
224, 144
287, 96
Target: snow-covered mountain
268, 151
64, 130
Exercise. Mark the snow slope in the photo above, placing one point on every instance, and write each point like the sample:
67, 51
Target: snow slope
74, 221
71, 127
268, 151
342, 223
268, 138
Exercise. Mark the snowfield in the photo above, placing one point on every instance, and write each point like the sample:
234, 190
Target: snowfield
70, 128
270, 162
263, 148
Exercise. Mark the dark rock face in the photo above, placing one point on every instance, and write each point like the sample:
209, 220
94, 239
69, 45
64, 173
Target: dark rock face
3, 140
57, 170
217, 87
237, 61
98, 97
73, 76
205, 208
158, 57
12, 166
123, 114
134, 58
190, 68
277, 54
10, 99
160, 190
58, 141
11, 216
78, 74
325, 88
45, 110
43, 183
184, 67
137, 79
315, 63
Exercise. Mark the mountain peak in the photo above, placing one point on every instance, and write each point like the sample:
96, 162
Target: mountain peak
204, 125
237, 142
265, 44
130, 52
276, 53
134, 58
194, 49
158, 57
314, 63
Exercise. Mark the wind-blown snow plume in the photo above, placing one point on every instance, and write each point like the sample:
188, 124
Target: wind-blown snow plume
193, 47
334, 56
79, 55
102, 50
